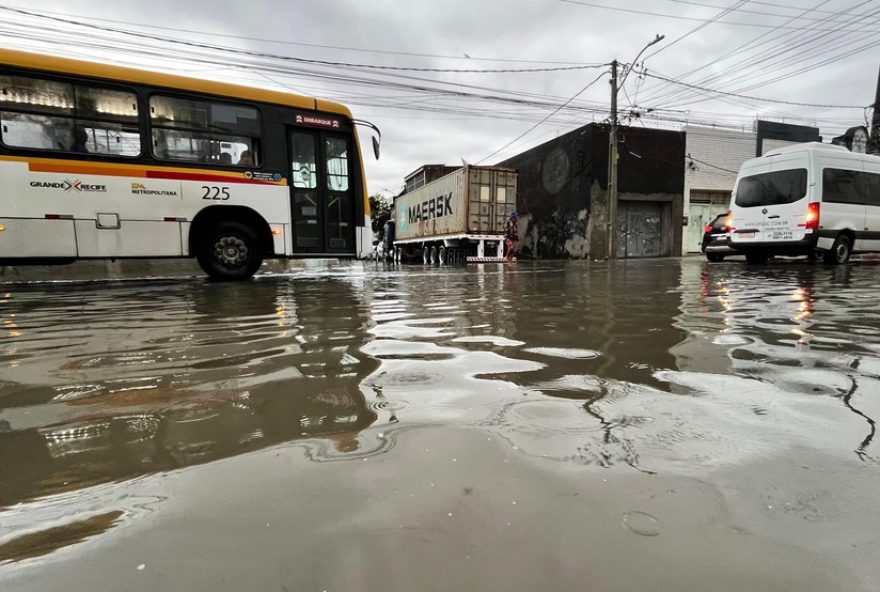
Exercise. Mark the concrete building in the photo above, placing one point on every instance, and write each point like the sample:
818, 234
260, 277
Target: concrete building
563, 201
713, 158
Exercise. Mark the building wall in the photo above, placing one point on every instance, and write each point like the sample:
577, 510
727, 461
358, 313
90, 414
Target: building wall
709, 175
562, 189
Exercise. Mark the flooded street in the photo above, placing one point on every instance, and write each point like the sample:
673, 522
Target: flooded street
664, 425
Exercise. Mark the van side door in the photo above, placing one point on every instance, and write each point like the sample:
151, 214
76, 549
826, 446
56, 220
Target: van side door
872, 209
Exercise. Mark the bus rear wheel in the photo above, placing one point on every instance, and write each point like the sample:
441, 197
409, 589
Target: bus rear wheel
230, 251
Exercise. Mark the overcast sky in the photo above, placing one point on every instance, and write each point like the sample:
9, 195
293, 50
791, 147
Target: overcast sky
776, 49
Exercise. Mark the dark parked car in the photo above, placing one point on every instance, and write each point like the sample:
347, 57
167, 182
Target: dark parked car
715, 244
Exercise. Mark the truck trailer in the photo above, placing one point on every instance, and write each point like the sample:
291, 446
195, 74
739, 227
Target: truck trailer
459, 217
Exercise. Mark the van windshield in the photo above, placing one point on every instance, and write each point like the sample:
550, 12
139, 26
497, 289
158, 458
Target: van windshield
767, 189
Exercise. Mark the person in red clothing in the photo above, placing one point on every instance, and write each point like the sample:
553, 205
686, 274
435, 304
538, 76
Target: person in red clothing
511, 235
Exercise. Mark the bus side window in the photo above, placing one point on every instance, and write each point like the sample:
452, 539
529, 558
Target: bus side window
200, 131
108, 120
36, 113
49, 115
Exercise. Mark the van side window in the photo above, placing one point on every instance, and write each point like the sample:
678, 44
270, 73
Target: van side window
844, 186
872, 182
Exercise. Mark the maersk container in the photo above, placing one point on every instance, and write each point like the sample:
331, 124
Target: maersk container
456, 216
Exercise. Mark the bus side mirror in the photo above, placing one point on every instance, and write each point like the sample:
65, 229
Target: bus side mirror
376, 139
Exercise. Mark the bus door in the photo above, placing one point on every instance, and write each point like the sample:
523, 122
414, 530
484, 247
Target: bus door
322, 195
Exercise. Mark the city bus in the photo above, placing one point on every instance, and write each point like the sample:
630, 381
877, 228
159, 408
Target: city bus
102, 161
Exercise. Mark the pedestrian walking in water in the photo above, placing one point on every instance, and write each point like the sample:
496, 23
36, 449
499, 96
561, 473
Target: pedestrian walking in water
388, 239
511, 235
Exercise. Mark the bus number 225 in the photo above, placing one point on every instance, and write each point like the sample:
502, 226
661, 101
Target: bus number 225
216, 193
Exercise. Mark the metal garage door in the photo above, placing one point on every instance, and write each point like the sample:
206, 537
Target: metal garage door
640, 229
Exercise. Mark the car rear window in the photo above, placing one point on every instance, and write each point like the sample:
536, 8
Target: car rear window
767, 189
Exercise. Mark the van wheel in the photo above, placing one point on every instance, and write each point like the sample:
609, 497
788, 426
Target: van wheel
757, 258
840, 251
230, 251
714, 257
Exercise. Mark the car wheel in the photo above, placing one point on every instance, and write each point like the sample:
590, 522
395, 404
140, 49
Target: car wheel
230, 251
714, 257
840, 251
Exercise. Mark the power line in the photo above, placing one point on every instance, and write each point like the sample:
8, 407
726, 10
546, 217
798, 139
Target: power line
776, 54
757, 12
300, 43
730, 94
709, 164
691, 18
554, 112
298, 59
699, 27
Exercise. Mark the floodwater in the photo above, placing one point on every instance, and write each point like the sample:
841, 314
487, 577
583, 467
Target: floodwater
648, 425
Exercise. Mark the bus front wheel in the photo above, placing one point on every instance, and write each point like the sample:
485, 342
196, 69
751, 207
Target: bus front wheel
230, 251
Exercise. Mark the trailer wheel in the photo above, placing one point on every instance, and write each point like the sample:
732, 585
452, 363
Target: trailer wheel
433, 255
426, 255
442, 256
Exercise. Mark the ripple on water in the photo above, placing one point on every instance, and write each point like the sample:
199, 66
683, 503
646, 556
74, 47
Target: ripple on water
730, 340
641, 523
493, 339
565, 352
539, 418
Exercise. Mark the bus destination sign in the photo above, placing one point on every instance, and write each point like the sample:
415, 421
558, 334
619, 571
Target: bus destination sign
318, 121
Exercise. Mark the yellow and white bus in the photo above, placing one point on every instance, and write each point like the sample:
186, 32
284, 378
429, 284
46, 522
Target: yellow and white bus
101, 161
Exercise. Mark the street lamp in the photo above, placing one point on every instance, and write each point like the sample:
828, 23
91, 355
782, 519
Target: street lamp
612, 150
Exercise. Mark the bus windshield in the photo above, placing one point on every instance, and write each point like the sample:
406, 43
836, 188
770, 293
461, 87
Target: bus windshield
767, 189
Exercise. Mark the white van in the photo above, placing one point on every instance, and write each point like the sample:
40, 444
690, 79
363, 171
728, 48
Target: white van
808, 199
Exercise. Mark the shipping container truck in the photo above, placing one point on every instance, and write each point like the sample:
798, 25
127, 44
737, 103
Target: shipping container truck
459, 217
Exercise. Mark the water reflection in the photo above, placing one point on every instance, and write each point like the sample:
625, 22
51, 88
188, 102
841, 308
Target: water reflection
106, 384
804, 329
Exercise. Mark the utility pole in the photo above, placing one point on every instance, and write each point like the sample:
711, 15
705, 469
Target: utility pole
612, 168
613, 192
